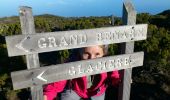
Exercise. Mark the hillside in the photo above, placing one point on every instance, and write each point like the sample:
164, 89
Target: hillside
165, 13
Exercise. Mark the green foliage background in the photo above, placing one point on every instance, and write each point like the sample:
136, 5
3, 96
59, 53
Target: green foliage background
154, 74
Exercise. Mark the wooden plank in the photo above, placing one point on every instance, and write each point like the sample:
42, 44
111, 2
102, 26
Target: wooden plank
45, 42
27, 26
49, 74
129, 18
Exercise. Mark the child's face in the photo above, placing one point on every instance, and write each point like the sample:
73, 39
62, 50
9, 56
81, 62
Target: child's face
92, 52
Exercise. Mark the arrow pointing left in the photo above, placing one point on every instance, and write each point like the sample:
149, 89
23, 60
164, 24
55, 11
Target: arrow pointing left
41, 78
20, 45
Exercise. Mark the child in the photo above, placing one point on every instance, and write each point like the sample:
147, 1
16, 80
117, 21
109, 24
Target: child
87, 87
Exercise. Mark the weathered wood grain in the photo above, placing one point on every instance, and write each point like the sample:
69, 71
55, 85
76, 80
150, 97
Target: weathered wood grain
49, 74
52, 41
27, 27
129, 18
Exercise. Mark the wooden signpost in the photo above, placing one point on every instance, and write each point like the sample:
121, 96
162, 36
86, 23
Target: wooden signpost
45, 42
27, 27
31, 43
129, 18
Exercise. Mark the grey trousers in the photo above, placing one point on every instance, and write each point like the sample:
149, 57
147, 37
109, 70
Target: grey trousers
71, 95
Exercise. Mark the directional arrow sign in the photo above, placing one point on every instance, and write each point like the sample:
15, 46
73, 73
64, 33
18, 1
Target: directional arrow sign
45, 42
20, 45
41, 78
49, 74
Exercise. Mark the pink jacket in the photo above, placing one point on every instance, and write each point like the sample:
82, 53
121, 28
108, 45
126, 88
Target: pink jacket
80, 86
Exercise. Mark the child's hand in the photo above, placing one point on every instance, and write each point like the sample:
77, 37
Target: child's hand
45, 97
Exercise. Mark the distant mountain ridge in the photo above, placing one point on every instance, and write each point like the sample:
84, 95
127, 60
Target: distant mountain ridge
58, 23
16, 18
165, 13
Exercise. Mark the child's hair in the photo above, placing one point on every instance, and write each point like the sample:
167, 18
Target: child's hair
104, 47
76, 53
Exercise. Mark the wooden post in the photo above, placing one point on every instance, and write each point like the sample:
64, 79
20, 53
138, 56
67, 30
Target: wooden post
129, 18
113, 20
27, 26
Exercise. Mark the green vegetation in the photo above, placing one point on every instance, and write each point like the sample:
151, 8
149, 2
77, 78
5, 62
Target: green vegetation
150, 82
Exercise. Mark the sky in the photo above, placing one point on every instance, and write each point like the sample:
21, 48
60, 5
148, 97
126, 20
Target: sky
79, 8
